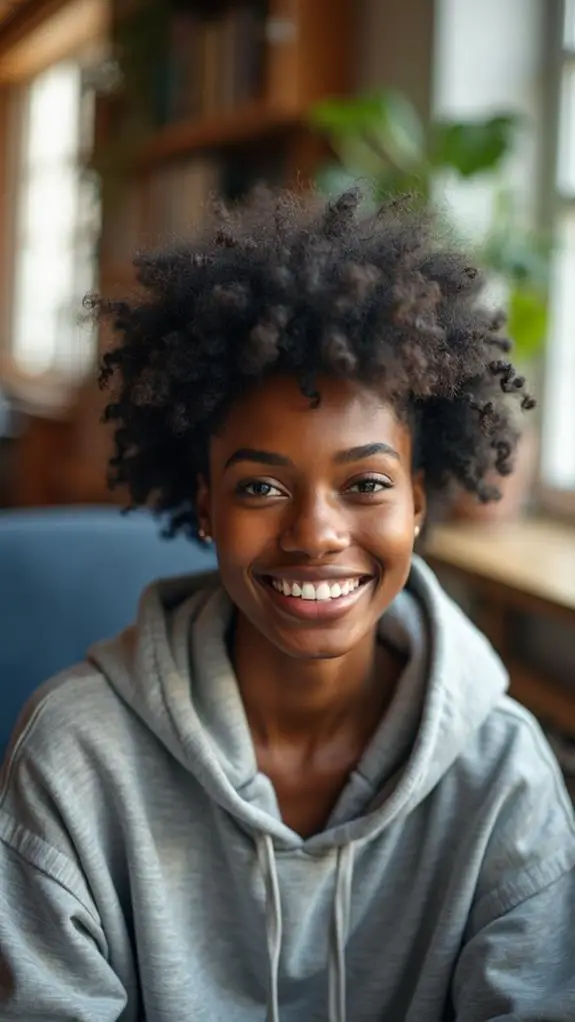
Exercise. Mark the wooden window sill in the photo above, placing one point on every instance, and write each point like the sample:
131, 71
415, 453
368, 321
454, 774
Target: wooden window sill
525, 566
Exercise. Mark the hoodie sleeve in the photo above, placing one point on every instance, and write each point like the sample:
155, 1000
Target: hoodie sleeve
53, 963
520, 967
517, 963
55, 956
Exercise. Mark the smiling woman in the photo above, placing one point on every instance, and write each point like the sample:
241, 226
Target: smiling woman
296, 788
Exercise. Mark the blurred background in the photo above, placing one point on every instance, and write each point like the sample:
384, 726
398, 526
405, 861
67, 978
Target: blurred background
119, 118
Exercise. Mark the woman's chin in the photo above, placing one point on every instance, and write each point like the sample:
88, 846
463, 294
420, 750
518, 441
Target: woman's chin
317, 645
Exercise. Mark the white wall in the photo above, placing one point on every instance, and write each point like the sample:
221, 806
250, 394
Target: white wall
488, 59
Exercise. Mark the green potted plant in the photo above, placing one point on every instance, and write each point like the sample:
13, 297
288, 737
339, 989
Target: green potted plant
380, 140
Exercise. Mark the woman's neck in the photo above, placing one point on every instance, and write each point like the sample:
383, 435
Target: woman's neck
306, 703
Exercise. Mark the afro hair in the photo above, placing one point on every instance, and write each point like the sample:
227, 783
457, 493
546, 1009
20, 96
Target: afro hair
301, 286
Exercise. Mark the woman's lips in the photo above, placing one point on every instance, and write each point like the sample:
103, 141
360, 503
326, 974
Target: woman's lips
322, 609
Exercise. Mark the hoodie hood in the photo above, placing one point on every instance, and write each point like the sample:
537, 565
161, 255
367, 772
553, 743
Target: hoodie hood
174, 671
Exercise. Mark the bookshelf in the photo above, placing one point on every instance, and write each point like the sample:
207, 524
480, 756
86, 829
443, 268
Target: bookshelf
251, 122
213, 98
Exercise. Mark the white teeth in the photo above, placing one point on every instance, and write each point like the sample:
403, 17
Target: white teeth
323, 591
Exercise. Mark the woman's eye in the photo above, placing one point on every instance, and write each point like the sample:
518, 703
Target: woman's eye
259, 488
369, 485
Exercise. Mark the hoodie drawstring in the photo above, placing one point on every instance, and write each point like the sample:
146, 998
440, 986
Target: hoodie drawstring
274, 922
338, 934
341, 913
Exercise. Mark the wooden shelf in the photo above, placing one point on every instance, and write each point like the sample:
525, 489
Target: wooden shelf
8, 8
525, 566
117, 273
535, 560
233, 127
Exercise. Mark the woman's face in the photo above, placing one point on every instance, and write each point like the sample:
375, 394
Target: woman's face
313, 512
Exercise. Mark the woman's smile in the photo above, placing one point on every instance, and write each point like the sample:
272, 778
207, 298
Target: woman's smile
318, 598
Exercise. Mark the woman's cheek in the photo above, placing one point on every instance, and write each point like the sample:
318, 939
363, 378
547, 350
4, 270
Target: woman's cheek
242, 536
390, 526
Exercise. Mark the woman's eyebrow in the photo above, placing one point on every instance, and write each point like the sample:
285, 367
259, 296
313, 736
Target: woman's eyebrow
365, 451
280, 460
261, 457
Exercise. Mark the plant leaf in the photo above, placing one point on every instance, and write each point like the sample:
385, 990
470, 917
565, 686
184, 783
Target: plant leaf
473, 147
401, 135
527, 320
384, 122
353, 116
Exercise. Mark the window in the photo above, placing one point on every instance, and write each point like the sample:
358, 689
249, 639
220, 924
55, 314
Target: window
559, 421
56, 228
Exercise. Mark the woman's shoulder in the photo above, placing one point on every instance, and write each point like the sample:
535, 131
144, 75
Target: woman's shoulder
522, 816
513, 739
80, 704
53, 769
510, 774
68, 713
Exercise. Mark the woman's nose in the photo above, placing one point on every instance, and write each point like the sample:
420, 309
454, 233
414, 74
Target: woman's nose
314, 529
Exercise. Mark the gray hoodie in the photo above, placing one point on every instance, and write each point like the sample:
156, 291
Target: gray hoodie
146, 873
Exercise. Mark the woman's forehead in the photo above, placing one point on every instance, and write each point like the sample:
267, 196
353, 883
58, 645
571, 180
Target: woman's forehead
277, 416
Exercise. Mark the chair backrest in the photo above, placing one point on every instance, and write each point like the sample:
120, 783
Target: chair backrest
68, 577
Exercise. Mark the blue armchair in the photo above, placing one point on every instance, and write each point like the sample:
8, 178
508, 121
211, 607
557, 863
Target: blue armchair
67, 578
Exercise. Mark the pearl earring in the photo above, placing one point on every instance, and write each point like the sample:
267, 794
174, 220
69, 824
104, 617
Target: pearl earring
417, 531
204, 536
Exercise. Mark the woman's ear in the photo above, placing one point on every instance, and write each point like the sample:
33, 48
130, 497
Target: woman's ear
203, 507
419, 501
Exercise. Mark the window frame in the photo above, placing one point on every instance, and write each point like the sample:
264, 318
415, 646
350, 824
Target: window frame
555, 203
30, 169
75, 31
